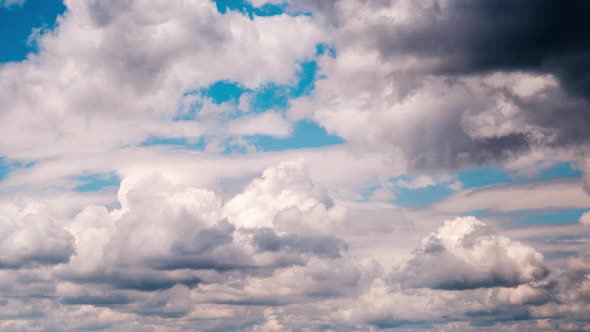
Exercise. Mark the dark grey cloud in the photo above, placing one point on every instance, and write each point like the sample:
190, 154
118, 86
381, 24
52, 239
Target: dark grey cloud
479, 36
133, 279
210, 248
496, 315
451, 273
111, 300
447, 145
54, 257
568, 116
476, 37
457, 41
32, 241
266, 239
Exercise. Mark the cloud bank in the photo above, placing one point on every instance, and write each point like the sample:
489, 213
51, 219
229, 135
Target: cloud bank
162, 167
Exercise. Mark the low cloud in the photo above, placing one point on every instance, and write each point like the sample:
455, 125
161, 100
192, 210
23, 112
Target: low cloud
466, 254
29, 239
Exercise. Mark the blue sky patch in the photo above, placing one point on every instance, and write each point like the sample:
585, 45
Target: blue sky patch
559, 170
475, 178
17, 24
412, 198
324, 48
273, 96
184, 143
541, 217
485, 176
97, 182
224, 91
306, 134
7, 166
266, 97
246, 8
270, 96
307, 77
421, 197
234, 147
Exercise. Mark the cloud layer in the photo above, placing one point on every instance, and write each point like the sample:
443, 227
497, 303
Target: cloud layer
171, 255
136, 193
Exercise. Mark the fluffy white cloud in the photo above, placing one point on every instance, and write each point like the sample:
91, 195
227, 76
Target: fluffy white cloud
168, 248
462, 272
112, 74
166, 233
466, 254
171, 250
283, 189
28, 238
384, 308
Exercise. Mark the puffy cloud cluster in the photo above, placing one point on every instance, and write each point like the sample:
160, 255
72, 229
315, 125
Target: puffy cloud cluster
166, 234
111, 75
284, 195
281, 254
168, 248
462, 272
466, 254
29, 239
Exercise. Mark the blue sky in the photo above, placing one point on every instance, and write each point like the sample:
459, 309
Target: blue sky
306, 134
269, 97
478, 177
4, 168
245, 7
18, 21
528, 218
97, 182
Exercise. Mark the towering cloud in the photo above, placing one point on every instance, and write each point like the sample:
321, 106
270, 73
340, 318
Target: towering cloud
467, 254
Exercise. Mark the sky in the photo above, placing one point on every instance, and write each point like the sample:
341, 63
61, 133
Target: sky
294, 165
